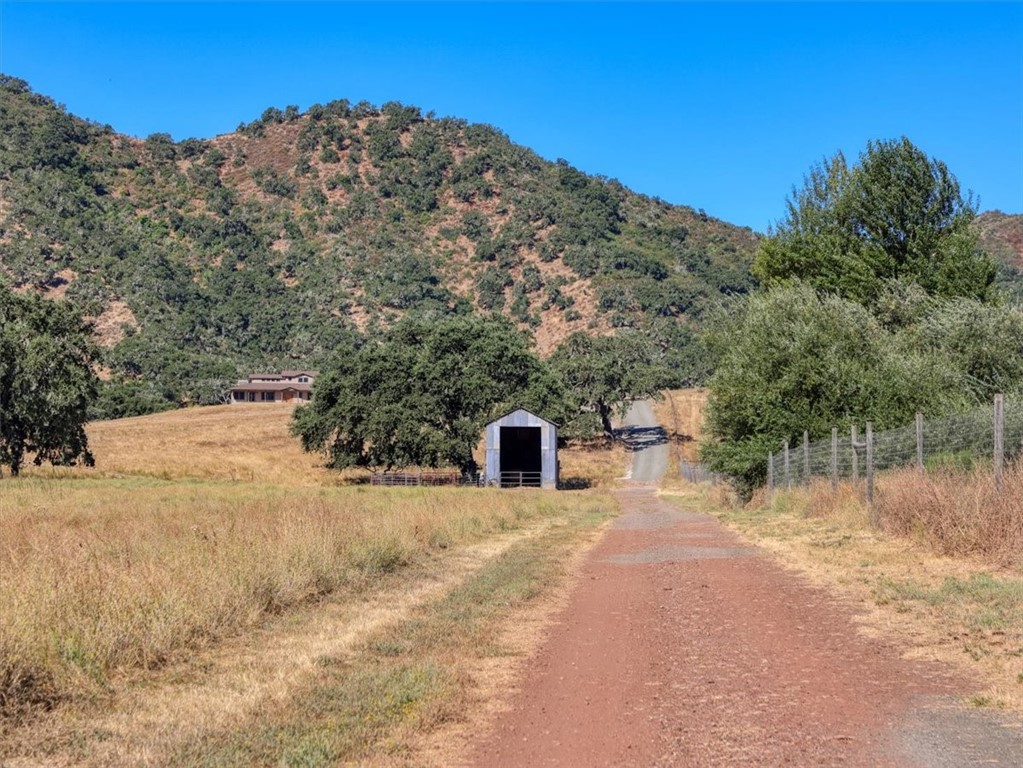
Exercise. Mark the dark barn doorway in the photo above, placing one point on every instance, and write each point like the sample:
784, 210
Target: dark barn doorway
521, 459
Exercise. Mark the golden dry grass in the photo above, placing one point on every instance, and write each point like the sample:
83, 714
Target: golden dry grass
199, 524
229, 442
680, 411
955, 513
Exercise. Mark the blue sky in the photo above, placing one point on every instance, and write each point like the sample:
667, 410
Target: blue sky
718, 106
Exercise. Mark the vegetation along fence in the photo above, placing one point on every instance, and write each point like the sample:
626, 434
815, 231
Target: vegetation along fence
992, 434
694, 472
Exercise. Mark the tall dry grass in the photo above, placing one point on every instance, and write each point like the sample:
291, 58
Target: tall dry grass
952, 512
957, 513
101, 575
680, 411
200, 523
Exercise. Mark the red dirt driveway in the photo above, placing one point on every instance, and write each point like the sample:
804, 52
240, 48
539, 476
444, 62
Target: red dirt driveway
682, 646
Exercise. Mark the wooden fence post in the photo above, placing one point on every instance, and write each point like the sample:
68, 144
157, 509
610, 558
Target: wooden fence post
999, 456
870, 474
834, 459
770, 471
920, 441
788, 475
855, 458
806, 458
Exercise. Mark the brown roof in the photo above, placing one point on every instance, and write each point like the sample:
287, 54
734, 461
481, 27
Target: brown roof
298, 373
273, 386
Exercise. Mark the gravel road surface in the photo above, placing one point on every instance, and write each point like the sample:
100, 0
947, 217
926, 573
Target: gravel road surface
647, 441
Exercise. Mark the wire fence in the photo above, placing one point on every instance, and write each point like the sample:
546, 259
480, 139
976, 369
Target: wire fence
989, 435
694, 472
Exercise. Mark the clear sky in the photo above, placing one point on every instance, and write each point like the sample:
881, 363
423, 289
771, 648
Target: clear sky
718, 106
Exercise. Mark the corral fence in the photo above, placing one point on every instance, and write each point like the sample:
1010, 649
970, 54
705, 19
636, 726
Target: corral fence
504, 480
422, 478
992, 434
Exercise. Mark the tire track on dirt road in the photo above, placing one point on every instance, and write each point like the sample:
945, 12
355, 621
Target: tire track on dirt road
681, 645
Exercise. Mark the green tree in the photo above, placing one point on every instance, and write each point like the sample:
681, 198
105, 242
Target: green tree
896, 214
791, 359
422, 394
603, 374
46, 382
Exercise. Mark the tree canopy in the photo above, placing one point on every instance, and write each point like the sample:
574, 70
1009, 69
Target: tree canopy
896, 214
46, 382
603, 374
421, 395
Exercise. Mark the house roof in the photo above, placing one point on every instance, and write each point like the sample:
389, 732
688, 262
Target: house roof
272, 386
299, 373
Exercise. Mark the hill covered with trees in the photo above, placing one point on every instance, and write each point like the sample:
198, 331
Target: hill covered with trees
276, 244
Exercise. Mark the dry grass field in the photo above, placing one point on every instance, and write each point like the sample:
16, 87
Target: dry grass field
200, 526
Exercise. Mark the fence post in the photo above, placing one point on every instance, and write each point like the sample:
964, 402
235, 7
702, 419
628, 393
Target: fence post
870, 474
770, 471
834, 459
806, 458
788, 476
999, 438
920, 441
855, 458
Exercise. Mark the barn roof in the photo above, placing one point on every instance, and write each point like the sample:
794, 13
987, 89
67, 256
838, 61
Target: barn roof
505, 415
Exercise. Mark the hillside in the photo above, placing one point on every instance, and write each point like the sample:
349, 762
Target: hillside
268, 246
1001, 235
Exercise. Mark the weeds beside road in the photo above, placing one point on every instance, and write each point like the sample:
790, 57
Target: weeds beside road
944, 578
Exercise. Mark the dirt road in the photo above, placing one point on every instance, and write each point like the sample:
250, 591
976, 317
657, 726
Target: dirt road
682, 646
647, 441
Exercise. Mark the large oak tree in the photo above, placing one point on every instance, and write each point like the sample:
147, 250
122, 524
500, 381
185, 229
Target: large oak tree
46, 382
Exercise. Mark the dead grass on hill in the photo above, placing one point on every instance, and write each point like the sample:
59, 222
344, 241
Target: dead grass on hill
251, 443
248, 443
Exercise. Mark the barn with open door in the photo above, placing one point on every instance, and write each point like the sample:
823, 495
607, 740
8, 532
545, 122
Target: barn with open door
522, 450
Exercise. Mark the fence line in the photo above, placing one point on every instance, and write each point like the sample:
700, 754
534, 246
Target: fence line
990, 434
695, 472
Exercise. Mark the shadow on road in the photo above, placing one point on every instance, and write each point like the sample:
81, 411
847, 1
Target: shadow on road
640, 438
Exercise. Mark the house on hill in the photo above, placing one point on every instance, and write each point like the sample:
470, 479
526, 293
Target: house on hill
283, 387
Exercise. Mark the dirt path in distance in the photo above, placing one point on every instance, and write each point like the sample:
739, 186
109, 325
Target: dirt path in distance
682, 646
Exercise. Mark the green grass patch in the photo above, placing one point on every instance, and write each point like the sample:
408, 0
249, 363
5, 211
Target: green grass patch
980, 603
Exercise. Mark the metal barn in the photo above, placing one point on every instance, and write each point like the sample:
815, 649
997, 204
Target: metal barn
522, 450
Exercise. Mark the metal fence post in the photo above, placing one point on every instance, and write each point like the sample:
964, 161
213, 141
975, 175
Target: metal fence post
806, 458
834, 458
855, 458
999, 456
788, 475
920, 442
770, 471
870, 474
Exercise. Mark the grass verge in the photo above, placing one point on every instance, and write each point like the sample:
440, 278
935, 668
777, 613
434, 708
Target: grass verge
966, 610
406, 680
